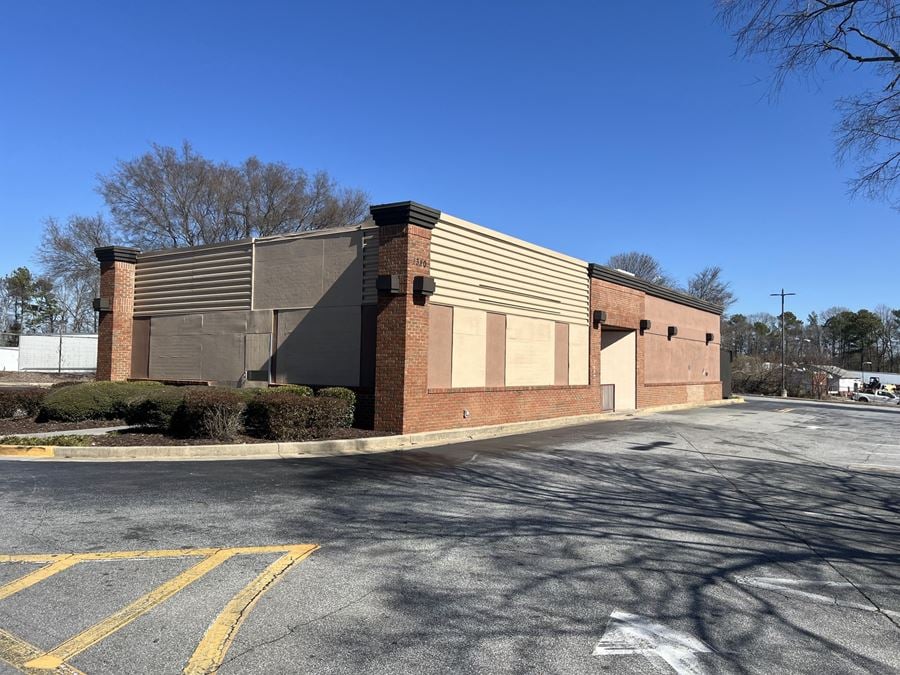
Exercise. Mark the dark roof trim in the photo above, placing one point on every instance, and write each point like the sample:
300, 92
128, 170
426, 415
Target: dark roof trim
403, 213
116, 254
606, 274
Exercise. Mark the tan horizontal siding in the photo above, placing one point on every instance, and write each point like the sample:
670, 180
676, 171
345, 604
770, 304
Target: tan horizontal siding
197, 279
477, 268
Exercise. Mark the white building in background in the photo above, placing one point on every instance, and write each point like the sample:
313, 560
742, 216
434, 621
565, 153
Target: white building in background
9, 358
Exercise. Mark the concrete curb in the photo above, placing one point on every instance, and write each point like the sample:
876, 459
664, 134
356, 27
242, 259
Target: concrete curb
335, 448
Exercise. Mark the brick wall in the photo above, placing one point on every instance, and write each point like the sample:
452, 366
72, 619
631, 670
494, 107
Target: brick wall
625, 307
115, 325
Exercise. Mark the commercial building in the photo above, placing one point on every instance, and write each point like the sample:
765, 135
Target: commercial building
435, 321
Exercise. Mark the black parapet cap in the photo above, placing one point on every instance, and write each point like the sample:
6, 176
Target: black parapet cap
116, 254
403, 213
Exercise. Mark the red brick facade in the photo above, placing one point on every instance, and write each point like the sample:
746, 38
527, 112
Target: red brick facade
403, 403
116, 322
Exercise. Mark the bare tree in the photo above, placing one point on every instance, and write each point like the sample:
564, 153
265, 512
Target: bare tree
643, 266
803, 35
165, 199
66, 253
708, 285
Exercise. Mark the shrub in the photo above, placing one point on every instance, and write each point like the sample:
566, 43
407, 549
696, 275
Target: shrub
92, 400
65, 440
19, 402
344, 394
282, 416
155, 408
296, 389
207, 412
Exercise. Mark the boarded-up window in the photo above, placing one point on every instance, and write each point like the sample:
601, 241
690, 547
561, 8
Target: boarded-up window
440, 346
495, 359
469, 348
561, 355
140, 348
318, 346
530, 360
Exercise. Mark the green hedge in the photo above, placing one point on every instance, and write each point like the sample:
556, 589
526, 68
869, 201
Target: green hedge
16, 402
210, 412
156, 408
344, 394
282, 416
93, 400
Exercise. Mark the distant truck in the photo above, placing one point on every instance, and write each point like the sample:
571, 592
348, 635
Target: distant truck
875, 396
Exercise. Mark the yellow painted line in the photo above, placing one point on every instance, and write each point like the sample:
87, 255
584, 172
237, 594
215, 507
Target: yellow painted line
73, 646
36, 576
17, 653
218, 638
27, 451
142, 554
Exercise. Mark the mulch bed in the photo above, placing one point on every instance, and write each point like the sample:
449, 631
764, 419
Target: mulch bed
26, 425
152, 437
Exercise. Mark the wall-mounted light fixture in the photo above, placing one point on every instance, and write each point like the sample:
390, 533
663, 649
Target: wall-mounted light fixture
710, 337
423, 285
388, 284
673, 331
645, 325
599, 317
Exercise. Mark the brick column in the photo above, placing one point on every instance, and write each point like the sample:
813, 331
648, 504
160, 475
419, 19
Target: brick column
401, 366
116, 308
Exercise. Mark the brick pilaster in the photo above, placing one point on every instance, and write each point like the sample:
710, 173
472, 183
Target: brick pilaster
401, 369
116, 311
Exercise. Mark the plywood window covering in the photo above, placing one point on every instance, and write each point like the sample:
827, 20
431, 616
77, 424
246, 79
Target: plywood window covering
561, 355
440, 346
478, 268
495, 350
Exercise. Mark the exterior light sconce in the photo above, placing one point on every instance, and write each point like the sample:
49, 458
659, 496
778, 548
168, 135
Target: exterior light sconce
709, 338
102, 305
423, 285
673, 331
645, 325
599, 317
388, 284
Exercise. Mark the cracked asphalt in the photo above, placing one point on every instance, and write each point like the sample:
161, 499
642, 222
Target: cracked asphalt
768, 531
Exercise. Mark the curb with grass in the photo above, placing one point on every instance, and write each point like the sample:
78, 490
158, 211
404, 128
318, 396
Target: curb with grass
329, 448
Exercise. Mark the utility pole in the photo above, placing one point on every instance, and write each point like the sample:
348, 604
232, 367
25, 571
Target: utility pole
783, 384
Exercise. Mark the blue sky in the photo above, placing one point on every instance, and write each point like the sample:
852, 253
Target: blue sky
587, 127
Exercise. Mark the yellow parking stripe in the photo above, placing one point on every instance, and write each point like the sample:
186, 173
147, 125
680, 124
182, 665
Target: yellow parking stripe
123, 617
210, 653
17, 653
34, 577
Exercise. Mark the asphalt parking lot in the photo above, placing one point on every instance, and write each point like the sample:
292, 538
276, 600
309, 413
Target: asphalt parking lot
758, 538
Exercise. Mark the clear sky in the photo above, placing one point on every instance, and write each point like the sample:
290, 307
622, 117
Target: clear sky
587, 127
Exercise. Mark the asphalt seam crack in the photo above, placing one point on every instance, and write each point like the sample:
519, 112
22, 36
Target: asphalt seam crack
789, 529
